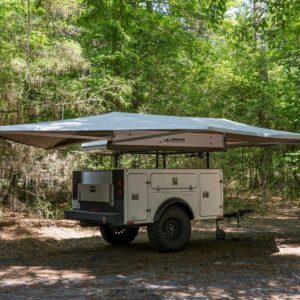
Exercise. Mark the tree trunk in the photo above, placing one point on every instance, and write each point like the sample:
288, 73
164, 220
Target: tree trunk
149, 5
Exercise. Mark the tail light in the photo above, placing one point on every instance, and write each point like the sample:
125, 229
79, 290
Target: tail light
118, 181
120, 189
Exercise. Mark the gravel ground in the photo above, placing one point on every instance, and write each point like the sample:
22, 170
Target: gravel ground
42, 259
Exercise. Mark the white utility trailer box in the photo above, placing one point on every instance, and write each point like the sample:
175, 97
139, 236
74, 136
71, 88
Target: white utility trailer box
125, 199
147, 190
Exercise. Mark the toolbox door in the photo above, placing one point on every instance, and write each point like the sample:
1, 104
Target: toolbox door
167, 181
137, 197
211, 195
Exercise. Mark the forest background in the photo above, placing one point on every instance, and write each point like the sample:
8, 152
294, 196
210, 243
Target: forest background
207, 58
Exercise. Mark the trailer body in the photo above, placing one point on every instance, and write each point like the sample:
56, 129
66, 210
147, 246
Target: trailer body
138, 196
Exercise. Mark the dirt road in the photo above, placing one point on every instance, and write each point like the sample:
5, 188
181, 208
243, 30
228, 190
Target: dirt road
41, 259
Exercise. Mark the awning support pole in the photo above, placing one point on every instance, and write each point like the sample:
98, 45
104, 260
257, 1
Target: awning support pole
157, 160
116, 160
207, 160
164, 159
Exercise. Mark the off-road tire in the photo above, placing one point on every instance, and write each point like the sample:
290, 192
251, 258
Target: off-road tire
172, 232
119, 236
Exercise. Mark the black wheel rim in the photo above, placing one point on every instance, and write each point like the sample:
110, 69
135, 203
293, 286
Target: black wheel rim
171, 229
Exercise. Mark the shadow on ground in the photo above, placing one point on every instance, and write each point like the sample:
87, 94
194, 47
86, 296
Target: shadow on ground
247, 264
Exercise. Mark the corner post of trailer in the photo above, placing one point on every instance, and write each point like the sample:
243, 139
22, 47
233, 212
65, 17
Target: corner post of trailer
164, 160
207, 160
116, 160
156, 160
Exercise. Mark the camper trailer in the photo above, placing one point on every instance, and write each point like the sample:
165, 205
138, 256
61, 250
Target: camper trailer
164, 200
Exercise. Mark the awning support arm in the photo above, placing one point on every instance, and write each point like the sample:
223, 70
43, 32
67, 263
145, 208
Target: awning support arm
207, 160
116, 160
164, 160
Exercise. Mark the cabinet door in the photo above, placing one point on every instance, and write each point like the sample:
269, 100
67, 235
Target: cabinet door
174, 181
211, 195
137, 197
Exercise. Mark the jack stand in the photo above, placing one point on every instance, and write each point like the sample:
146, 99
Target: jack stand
220, 234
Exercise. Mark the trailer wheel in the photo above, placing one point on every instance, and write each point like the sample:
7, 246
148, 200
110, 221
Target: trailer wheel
220, 234
119, 236
172, 232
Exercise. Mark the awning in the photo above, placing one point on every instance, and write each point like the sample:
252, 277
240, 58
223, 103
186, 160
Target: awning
134, 132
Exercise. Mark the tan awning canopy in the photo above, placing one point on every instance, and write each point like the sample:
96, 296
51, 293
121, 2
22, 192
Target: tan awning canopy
143, 132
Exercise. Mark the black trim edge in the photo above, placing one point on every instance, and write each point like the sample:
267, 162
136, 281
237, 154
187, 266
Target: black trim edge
173, 202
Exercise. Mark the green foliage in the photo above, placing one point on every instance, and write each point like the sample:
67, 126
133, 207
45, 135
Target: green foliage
212, 58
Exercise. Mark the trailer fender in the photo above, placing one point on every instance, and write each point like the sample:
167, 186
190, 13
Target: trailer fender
173, 202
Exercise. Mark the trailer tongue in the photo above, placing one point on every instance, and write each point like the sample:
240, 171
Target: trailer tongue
164, 200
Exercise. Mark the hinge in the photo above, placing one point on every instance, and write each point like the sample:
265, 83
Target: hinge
222, 181
221, 206
148, 182
148, 210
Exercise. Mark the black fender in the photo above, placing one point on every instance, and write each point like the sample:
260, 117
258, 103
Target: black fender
173, 202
